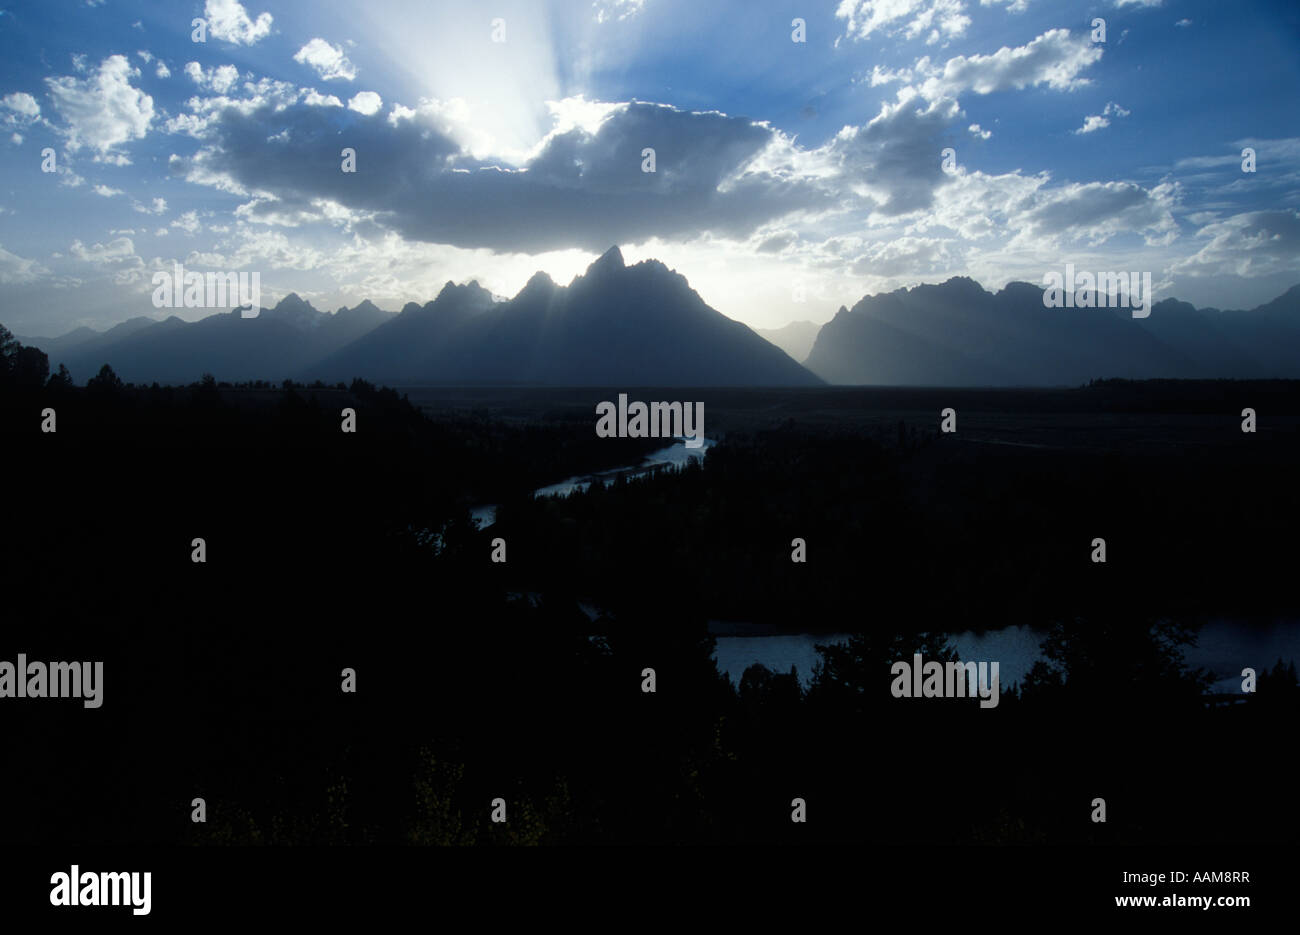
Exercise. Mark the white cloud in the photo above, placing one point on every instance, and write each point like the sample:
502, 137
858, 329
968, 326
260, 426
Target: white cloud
975, 130
163, 71
220, 79
17, 271
1093, 123
228, 21
106, 192
1251, 244
1100, 121
931, 19
119, 252
22, 103
367, 103
1094, 212
147, 56
314, 98
102, 111
1055, 59
607, 10
188, 222
1184, 23
157, 206
328, 60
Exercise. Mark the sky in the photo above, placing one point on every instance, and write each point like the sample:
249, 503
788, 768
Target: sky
800, 149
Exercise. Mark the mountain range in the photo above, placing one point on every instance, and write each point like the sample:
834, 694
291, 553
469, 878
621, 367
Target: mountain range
643, 325
613, 325
958, 334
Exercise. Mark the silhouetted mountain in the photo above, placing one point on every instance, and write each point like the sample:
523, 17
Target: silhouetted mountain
613, 325
279, 342
84, 340
796, 338
956, 333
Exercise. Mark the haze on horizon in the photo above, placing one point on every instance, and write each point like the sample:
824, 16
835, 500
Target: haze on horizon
790, 178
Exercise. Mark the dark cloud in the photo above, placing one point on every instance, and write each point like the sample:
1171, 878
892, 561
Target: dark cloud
581, 190
897, 156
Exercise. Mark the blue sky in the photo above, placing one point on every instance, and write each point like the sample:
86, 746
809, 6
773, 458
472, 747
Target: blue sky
791, 177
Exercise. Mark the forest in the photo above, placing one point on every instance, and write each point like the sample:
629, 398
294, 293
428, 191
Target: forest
478, 680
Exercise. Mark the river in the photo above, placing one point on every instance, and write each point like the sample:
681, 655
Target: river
676, 454
1222, 647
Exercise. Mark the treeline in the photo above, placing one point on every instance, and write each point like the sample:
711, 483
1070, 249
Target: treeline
927, 532
327, 551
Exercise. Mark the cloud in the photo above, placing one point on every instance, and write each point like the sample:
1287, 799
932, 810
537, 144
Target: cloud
157, 206
21, 103
17, 271
894, 159
607, 10
933, 19
1100, 121
328, 60
163, 71
102, 111
367, 103
106, 192
905, 256
1183, 23
220, 79
188, 222
228, 21
1251, 244
1094, 212
1092, 124
117, 253
1055, 59
23, 112
580, 189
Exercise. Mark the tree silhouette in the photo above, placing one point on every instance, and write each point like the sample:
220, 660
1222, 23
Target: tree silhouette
62, 380
104, 382
30, 367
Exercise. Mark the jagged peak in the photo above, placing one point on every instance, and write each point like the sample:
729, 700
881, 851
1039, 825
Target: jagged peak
610, 259
470, 295
293, 301
539, 282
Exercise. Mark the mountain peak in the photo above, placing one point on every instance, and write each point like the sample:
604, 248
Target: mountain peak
610, 259
539, 283
292, 302
469, 297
